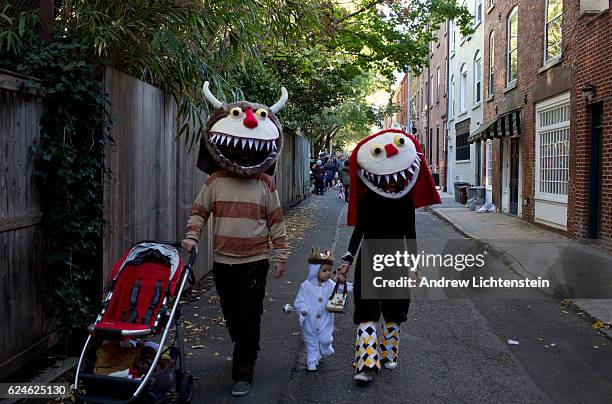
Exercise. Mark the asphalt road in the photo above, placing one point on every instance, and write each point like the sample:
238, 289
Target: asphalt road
454, 348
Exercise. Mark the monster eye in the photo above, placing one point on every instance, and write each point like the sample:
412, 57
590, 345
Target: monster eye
236, 111
399, 140
262, 113
376, 149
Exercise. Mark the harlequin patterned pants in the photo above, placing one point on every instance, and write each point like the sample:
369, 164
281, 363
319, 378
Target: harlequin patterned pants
366, 347
388, 342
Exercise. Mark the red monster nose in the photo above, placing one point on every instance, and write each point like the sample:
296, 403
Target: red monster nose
390, 149
250, 121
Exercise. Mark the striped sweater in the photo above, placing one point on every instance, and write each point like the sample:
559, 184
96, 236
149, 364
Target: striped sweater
246, 216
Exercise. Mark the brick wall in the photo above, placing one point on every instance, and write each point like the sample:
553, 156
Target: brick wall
533, 84
438, 109
592, 62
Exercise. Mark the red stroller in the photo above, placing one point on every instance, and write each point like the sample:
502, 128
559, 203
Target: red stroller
142, 301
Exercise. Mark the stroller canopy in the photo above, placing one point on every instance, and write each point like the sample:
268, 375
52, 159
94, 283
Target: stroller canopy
143, 251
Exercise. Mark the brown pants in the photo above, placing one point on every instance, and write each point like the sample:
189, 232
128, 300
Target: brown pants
241, 289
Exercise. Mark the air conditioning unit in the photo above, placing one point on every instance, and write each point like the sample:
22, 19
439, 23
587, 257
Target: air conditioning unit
593, 6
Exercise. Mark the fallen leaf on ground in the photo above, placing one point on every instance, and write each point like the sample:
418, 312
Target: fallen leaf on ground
598, 325
197, 346
512, 342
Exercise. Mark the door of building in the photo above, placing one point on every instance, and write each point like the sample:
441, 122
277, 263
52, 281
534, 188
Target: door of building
514, 175
594, 230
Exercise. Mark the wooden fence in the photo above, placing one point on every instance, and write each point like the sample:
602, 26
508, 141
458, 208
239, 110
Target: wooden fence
154, 180
26, 329
153, 184
292, 169
154, 177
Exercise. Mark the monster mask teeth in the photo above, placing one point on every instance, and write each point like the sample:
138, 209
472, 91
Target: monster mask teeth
257, 143
402, 174
387, 178
223, 137
250, 143
395, 176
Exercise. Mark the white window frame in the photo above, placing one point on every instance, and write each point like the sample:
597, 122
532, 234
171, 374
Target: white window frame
491, 89
477, 12
431, 100
438, 83
509, 51
546, 23
451, 98
552, 104
463, 89
477, 91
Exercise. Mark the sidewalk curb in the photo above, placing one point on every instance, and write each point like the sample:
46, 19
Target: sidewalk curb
516, 266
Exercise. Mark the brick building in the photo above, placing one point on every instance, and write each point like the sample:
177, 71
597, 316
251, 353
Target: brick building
437, 111
526, 134
465, 106
590, 165
423, 97
401, 100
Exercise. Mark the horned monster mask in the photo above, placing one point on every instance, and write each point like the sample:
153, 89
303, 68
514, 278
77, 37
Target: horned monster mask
391, 164
241, 137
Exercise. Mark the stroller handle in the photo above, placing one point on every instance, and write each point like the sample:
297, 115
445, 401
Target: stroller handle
189, 267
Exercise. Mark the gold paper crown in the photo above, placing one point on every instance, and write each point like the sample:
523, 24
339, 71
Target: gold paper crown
316, 257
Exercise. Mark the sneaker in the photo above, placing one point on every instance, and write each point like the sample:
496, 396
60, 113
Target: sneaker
365, 376
241, 388
312, 367
390, 365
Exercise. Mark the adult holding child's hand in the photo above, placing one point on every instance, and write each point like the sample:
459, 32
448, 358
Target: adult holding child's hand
389, 179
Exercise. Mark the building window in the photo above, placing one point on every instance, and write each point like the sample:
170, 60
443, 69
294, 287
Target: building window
488, 166
552, 148
430, 144
431, 85
477, 12
491, 63
462, 147
512, 45
451, 33
477, 78
437, 147
445, 77
438, 84
451, 98
554, 17
422, 101
463, 89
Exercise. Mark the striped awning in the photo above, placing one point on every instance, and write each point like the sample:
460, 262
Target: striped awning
507, 125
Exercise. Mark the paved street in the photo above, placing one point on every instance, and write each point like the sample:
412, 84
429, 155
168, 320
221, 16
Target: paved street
452, 349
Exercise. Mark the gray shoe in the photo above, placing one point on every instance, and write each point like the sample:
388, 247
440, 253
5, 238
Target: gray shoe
240, 389
364, 377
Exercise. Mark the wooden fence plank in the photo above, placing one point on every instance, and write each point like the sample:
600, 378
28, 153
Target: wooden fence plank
21, 279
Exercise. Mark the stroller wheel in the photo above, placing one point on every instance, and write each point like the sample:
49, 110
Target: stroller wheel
184, 386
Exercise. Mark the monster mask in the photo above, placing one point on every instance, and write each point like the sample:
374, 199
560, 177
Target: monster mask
243, 138
391, 164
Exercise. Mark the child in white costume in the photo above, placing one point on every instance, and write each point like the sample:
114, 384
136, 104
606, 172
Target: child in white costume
317, 323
